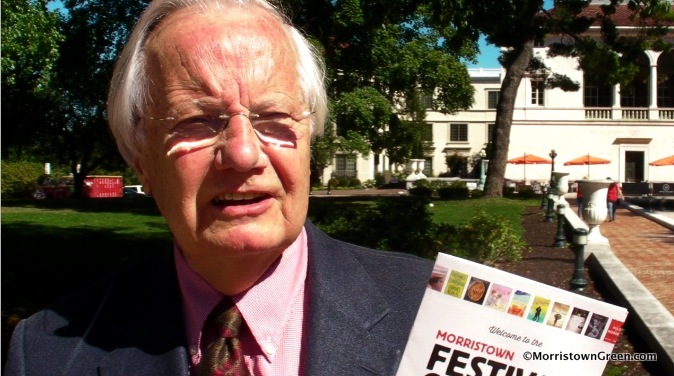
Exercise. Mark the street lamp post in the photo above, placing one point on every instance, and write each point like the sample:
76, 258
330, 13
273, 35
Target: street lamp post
549, 214
578, 281
553, 155
483, 173
560, 239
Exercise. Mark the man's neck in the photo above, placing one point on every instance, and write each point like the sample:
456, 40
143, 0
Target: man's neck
234, 275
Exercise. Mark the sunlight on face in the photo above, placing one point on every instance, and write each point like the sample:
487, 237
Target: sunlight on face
225, 183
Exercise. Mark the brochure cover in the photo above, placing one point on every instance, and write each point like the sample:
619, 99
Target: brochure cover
477, 320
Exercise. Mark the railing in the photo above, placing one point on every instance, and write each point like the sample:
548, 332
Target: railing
666, 114
484, 72
627, 114
594, 113
635, 114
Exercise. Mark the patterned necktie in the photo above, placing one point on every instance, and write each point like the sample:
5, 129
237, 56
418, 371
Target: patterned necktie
224, 356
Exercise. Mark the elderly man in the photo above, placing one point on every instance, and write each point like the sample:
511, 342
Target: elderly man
215, 103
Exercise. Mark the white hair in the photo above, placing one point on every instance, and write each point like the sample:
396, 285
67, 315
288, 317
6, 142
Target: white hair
129, 85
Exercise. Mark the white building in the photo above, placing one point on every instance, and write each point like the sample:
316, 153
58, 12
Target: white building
628, 127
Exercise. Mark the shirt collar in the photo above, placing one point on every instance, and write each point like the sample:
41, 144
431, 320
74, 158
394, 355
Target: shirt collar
266, 306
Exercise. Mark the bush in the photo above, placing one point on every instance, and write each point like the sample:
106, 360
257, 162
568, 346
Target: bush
476, 193
19, 179
508, 192
370, 183
379, 180
456, 190
355, 183
526, 192
487, 239
402, 224
398, 223
424, 192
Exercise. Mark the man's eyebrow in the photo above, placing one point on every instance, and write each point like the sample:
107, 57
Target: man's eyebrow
280, 102
196, 104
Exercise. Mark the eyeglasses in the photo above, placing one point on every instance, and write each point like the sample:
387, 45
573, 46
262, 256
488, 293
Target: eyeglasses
276, 128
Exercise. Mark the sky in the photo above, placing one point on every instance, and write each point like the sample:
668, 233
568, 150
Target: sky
489, 53
488, 56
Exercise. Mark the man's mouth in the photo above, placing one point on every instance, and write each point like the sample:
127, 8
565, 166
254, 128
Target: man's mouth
228, 199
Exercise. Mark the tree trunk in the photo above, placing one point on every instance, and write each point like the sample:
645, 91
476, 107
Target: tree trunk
78, 181
504, 119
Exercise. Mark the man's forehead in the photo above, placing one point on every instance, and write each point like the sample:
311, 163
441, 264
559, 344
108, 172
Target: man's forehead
221, 40
234, 23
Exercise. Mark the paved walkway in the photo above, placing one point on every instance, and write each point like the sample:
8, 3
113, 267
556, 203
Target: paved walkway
638, 270
647, 249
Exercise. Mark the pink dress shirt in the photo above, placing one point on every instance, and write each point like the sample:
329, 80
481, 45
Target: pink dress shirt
273, 310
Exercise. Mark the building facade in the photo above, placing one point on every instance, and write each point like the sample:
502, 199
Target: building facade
630, 127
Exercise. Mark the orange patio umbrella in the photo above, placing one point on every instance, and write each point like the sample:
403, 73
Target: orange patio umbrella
587, 160
666, 161
529, 159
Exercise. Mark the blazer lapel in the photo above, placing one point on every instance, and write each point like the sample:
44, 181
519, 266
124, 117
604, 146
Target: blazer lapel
344, 307
150, 337
134, 362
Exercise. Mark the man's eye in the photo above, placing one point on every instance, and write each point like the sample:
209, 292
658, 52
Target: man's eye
195, 127
277, 126
274, 117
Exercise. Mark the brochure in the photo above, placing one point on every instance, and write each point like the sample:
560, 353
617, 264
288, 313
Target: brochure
477, 320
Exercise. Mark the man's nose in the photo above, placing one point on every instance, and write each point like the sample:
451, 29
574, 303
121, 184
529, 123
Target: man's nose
239, 147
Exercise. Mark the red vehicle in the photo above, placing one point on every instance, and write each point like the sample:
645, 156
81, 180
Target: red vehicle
97, 186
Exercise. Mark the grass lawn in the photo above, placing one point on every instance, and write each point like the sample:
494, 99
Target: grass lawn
53, 247
459, 212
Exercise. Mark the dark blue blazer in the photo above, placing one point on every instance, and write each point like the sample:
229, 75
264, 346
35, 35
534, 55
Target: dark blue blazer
362, 304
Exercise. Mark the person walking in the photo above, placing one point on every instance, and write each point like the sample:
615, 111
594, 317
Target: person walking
612, 198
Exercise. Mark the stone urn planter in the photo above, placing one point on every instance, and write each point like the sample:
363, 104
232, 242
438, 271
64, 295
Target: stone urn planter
594, 207
561, 186
416, 168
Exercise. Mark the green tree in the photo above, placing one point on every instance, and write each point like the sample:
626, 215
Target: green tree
94, 32
382, 59
30, 37
516, 25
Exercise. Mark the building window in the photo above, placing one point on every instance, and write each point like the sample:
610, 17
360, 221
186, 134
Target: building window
458, 132
597, 96
537, 92
665, 96
427, 132
346, 166
490, 132
627, 98
428, 101
492, 99
428, 166
591, 96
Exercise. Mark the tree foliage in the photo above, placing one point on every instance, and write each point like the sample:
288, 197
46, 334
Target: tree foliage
19, 179
56, 71
382, 59
30, 38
